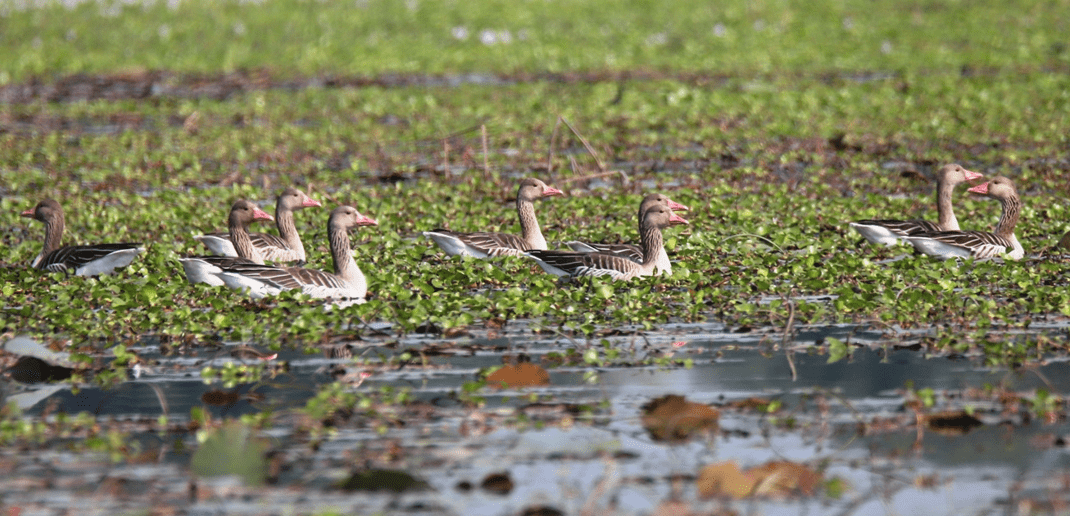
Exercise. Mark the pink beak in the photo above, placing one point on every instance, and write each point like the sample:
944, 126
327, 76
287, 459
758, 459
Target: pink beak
971, 175
27, 213
310, 203
676, 219
979, 189
259, 214
365, 220
551, 191
675, 206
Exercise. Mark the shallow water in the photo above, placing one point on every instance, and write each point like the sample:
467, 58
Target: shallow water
607, 462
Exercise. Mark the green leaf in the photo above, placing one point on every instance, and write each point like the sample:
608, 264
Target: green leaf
837, 350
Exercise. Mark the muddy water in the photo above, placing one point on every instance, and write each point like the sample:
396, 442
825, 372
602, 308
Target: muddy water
847, 418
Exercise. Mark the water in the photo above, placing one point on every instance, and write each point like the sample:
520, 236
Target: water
848, 419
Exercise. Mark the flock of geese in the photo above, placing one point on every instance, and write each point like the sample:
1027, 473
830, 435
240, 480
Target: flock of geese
239, 257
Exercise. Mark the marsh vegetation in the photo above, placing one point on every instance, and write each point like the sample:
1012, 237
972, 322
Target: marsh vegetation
777, 124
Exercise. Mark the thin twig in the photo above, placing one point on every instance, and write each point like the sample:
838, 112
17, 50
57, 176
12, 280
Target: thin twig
586, 144
562, 334
159, 396
446, 157
787, 336
486, 159
550, 154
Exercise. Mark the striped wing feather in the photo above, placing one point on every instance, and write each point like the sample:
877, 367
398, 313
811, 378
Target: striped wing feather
74, 256
313, 282
981, 244
629, 251
903, 227
493, 244
569, 263
278, 277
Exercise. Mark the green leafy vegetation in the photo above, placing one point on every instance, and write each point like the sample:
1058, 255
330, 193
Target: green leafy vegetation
777, 123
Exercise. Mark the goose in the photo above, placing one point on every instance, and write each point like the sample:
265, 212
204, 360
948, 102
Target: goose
632, 251
286, 247
888, 231
484, 244
980, 244
206, 269
568, 263
347, 281
81, 260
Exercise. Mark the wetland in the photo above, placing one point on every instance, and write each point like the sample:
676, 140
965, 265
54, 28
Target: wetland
818, 373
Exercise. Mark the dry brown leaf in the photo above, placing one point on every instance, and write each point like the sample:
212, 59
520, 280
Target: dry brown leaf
672, 508
724, 479
776, 479
783, 478
673, 418
524, 374
952, 423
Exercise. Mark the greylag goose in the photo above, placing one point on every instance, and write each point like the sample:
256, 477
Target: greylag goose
484, 244
980, 244
81, 260
347, 282
567, 263
888, 231
206, 269
286, 247
632, 251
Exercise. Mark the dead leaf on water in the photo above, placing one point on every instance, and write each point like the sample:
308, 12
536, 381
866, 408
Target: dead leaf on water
759, 404
382, 480
498, 483
673, 418
724, 479
784, 478
776, 479
524, 374
952, 423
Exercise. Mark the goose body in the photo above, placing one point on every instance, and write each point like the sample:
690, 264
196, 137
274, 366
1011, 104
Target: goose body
979, 244
890, 231
487, 244
79, 260
287, 247
573, 264
208, 269
347, 281
630, 251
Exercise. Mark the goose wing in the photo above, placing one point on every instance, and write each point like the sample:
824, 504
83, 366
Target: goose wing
901, 227
567, 263
629, 251
73, 257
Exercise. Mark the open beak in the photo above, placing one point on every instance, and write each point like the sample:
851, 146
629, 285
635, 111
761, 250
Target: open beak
676, 219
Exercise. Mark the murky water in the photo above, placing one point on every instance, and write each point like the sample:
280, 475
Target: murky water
847, 418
